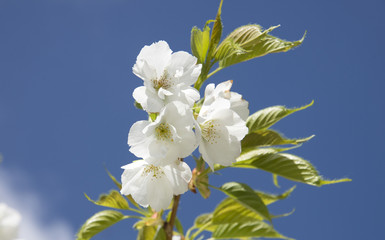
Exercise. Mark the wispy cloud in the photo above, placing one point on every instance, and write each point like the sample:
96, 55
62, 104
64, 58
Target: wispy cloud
31, 207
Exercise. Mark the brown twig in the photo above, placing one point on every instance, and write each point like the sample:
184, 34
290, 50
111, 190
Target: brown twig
169, 225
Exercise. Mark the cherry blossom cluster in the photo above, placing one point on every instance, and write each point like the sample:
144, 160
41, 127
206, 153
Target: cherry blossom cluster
217, 126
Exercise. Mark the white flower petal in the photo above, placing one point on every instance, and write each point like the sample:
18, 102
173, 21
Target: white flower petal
167, 77
185, 94
183, 68
220, 129
148, 99
162, 93
168, 138
190, 94
181, 117
144, 70
157, 55
235, 125
161, 152
222, 90
179, 174
239, 105
160, 193
209, 93
136, 133
208, 109
147, 184
137, 140
218, 147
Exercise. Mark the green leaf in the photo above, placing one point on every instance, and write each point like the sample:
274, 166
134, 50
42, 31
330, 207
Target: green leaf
216, 34
179, 226
98, 223
204, 221
217, 29
229, 211
260, 153
238, 41
285, 165
200, 178
146, 233
200, 41
202, 185
248, 42
160, 234
275, 180
113, 200
254, 229
267, 137
268, 198
117, 183
246, 196
137, 105
267, 117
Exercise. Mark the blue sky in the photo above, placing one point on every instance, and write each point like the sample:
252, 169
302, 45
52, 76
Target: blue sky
66, 105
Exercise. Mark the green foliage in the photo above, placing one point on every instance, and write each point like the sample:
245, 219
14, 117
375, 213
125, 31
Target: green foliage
272, 198
247, 197
248, 42
283, 164
244, 213
146, 233
200, 41
205, 56
98, 223
151, 233
246, 230
205, 222
113, 200
200, 178
117, 183
230, 210
217, 29
137, 105
268, 137
265, 118
232, 219
179, 226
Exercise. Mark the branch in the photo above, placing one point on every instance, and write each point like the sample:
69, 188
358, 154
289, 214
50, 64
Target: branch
169, 225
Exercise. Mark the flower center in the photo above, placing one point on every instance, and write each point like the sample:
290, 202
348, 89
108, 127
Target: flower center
163, 132
210, 131
156, 172
163, 82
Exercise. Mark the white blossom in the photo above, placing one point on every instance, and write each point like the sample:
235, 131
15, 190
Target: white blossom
154, 186
167, 77
237, 103
169, 137
9, 222
220, 131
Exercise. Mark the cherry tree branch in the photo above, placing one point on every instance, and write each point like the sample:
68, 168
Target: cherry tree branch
169, 225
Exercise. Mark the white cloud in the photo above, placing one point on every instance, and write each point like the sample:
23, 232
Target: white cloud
31, 207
